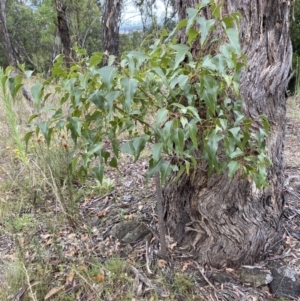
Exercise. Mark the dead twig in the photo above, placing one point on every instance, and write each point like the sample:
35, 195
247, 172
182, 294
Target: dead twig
147, 282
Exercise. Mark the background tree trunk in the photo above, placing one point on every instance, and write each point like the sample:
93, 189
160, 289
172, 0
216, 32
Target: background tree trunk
229, 221
111, 24
63, 29
5, 35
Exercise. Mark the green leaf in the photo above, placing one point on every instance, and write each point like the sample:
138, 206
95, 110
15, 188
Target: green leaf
208, 63
179, 173
57, 114
32, 117
27, 138
193, 131
237, 153
95, 59
233, 36
182, 108
75, 127
128, 148
113, 162
233, 166
110, 98
161, 115
98, 98
37, 93
182, 81
209, 94
99, 171
235, 131
44, 127
183, 121
14, 84
165, 171
156, 151
111, 60
216, 10
178, 138
154, 167
130, 85
181, 52
116, 147
139, 144
205, 27
192, 14
108, 74
163, 77
95, 148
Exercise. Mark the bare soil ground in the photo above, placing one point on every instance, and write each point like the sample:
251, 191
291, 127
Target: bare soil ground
67, 241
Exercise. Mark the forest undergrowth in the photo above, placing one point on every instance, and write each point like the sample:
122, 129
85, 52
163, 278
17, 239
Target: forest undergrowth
60, 239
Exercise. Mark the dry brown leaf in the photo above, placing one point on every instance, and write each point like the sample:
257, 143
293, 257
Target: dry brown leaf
101, 213
250, 179
21, 241
229, 270
186, 265
70, 277
161, 263
20, 294
99, 278
53, 291
72, 235
129, 217
45, 236
171, 246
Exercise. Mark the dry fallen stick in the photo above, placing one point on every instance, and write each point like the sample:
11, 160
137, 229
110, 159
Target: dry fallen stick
147, 258
147, 282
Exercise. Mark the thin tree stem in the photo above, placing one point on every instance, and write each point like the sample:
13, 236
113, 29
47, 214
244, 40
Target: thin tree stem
160, 213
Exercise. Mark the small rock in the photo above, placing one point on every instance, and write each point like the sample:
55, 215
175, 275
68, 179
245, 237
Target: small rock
127, 198
255, 276
222, 277
286, 281
129, 231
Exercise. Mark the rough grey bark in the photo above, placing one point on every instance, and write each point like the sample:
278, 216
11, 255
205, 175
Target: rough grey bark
229, 221
111, 24
63, 29
5, 35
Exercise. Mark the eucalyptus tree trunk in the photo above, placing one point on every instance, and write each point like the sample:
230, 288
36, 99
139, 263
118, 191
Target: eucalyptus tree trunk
63, 28
5, 35
111, 25
229, 221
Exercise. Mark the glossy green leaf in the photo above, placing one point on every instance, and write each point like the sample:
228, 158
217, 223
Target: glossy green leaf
233, 166
113, 162
156, 151
95, 148
161, 115
193, 131
233, 36
130, 86
237, 153
95, 59
181, 52
165, 171
108, 74
205, 27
